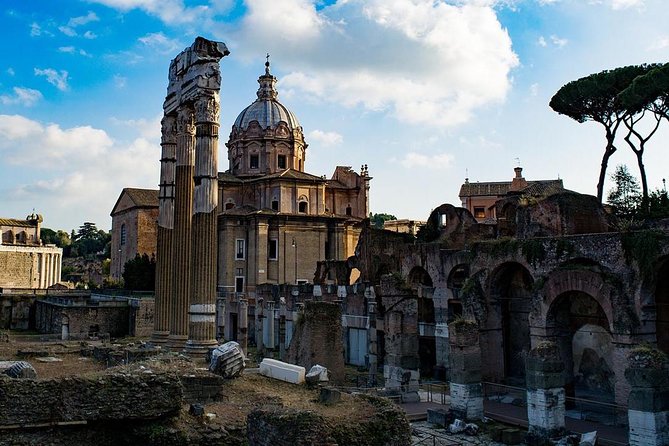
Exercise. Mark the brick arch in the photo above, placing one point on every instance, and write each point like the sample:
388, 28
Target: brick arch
588, 282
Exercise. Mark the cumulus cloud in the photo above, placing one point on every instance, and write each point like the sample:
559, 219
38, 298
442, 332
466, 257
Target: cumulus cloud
71, 162
68, 31
324, 138
437, 162
424, 62
169, 11
83, 20
558, 41
542, 41
160, 42
10, 71
73, 50
22, 96
58, 79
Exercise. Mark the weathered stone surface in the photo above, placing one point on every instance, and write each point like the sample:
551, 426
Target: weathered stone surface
227, 360
467, 401
117, 394
329, 395
17, 369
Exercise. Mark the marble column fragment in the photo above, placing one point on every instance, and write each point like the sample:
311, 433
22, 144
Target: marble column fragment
648, 404
183, 204
164, 256
545, 393
202, 309
465, 361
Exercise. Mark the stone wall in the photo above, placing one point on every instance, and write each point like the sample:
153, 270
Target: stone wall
82, 319
318, 339
385, 425
141, 316
117, 394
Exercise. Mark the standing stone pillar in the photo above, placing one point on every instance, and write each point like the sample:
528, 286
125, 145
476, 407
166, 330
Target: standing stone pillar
183, 205
243, 325
164, 257
648, 406
220, 317
465, 363
282, 330
545, 393
260, 314
271, 344
370, 299
202, 310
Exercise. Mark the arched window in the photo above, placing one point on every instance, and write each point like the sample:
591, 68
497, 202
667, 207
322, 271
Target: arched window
348, 210
302, 207
275, 205
123, 234
229, 205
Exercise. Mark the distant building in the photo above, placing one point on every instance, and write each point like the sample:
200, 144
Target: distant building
479, 198
404, 226
24, 261
134, 226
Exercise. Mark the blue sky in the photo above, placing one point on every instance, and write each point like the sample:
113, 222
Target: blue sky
423, 92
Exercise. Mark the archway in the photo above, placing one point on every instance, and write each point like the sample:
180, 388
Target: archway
455, 281
580, 327
421, 282
509, 309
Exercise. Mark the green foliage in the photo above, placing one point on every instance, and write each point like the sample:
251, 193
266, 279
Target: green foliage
624, 197
89, 240
533, 251
139, 274
58, 238
377, 219
643, 247
658, 204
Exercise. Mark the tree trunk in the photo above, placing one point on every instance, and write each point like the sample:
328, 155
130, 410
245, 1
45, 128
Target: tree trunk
610, 150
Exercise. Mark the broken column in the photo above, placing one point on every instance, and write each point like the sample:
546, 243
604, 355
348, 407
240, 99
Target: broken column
545, 393
202, 309
164, 257
243, 325
465, 364
648, 404
194, 83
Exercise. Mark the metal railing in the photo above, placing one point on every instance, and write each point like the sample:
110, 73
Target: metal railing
427, 437
435, 392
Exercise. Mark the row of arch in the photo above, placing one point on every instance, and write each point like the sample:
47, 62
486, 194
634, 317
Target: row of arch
573, 307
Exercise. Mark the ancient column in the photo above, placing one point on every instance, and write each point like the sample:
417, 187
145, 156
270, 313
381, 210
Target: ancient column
164, 256
648, 404
202, 309
243, 325
465, 362
545, 393
183, 205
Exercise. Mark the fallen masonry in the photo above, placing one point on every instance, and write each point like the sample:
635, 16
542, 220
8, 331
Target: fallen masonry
151, 403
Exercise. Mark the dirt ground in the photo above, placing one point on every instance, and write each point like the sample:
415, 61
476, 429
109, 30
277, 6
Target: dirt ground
69, 360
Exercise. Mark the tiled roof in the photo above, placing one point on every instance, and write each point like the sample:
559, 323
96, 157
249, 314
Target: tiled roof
142, 197
501, 188
16, 222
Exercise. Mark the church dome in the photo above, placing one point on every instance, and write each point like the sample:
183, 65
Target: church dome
267, 110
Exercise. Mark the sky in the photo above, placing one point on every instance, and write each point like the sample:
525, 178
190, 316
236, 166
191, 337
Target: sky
425, 92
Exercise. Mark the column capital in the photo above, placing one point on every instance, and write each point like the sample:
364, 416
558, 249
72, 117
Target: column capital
207, 109
185, 121
169, 129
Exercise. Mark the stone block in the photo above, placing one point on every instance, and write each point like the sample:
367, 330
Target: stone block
467, 400
648, 428
439, 417
648, 399
329, 395
544, 380
282, 370
640, 377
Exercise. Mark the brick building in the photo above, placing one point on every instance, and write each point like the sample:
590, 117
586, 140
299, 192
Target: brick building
479, 198
134, 226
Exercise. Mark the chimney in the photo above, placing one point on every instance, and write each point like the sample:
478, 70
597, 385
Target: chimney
518, 183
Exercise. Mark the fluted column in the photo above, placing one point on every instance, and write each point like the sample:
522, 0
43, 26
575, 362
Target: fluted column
202, 310
183, 204
165, 254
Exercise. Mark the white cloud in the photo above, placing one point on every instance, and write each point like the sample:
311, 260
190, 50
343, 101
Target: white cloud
547, 2
558, 42
70, 32
436, 162
120, 81
661, 43
169, 11
71, 161
160, 42
423, 62
59, 79
83, 20
626, 4
90, 35
23, 96
10, 71
534, 89
542, 42
145, 128
67, 49
35, 29
324, 138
